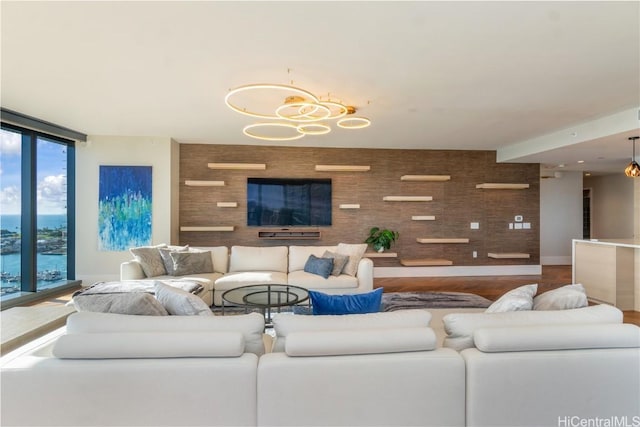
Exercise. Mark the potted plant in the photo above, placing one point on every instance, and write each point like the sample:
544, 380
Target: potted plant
381, 239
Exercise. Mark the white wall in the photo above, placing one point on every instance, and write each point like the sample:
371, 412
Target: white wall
612, 206
560, 217
93, 265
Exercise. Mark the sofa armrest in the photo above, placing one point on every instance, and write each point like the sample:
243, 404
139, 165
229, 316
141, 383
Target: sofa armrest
131, 270
365, 274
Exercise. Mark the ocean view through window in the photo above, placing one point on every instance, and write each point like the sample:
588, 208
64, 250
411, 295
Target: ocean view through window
34, 212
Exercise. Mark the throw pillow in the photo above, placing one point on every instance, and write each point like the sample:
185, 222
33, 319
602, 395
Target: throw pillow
355, 253
165, 254
181, 303
320, 266
150, 259
515, 300
339, 261
563, 298
138, 303
185, 263
324, 304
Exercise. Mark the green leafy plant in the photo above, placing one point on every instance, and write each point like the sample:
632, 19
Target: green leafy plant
381, 239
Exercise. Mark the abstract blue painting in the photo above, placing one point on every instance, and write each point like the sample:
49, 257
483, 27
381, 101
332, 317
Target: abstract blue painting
124, 207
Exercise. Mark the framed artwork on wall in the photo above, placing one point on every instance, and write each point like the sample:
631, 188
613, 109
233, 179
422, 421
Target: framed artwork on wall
124, 207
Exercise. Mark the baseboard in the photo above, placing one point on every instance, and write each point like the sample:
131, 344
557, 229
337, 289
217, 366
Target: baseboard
481, 270
555, 260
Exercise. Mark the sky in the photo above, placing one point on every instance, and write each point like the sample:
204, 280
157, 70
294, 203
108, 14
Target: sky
51, 175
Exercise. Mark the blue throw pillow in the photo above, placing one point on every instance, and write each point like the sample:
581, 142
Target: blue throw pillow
346, 304
320, 266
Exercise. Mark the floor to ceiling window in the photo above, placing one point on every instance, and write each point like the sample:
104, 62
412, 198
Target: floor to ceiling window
36, 212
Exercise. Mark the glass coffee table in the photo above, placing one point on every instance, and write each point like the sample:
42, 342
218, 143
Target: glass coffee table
265, 297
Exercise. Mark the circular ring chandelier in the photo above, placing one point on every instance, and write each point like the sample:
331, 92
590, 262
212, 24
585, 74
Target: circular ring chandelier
300, 106
248, 131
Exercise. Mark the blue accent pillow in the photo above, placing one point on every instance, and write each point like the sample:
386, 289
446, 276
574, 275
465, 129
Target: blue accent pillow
320, 266
346, 304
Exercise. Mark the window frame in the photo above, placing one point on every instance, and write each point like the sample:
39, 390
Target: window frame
28, 260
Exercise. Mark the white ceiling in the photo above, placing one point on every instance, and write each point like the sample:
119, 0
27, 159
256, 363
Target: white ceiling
430, 75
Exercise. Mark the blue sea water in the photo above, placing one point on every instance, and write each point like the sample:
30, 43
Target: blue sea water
10, 263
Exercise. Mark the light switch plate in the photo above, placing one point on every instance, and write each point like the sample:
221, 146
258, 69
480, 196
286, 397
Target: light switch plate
510, 226
518, 226
526, 225
475, 225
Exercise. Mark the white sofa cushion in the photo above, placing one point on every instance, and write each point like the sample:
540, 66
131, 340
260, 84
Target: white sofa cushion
461, 326
349, 342
285, 324
254, 258
298, 255
557, 337
313, 281
565, 297
136, 345
520, 298
235, 280
251, 326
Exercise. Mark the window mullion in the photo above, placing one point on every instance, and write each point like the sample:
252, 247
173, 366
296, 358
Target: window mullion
28, 268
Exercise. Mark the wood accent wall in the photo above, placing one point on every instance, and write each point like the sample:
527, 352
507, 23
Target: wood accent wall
456, 203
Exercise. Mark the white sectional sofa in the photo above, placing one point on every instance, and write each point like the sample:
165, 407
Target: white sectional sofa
248, 265
122, 370
370, 369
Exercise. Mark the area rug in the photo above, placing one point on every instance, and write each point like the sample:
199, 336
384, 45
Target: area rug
393, 301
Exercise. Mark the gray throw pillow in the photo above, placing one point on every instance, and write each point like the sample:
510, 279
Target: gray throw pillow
139, 303
165, 254
339, 261
185, 263
181, 303
320, 266
150, 260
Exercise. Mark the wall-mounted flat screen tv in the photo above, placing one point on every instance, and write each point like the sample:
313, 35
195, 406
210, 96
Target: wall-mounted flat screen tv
288, 202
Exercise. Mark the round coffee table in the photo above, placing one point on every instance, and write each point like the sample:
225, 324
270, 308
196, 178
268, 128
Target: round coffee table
265, 297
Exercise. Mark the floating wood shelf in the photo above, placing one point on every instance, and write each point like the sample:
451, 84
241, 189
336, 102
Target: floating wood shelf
407, 198
425, 262
437, 178
342, 168
380, 255
423, 218
349, 206
507, 255
286, 234
442, 240
192, 183
238, 166
216, 228
500, 186
227, 204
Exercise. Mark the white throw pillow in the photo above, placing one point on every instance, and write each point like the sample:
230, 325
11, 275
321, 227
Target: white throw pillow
355, 253
515, 300
563, 298
179, 302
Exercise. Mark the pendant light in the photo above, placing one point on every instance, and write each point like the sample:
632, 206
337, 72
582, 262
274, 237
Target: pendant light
633, 170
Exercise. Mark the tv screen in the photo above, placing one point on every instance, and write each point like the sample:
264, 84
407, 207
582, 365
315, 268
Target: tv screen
288, 202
